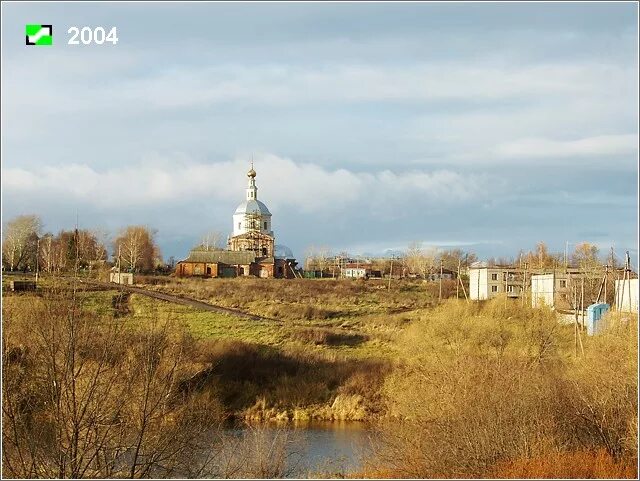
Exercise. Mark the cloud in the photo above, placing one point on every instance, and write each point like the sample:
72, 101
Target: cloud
395, 127
286, 84
591, 146
305, 186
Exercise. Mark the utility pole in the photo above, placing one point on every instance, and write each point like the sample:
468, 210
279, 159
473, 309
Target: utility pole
37, 257
576, 333
582, 303
506, 277
627, 273
458, 283
390, 274
606, 276
575, 320
440, 287
524, 285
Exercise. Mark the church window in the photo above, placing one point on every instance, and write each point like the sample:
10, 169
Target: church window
239, 225
265, 226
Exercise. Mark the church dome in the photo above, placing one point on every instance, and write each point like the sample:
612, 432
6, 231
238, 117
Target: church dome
251, 173
283, 252
252, 206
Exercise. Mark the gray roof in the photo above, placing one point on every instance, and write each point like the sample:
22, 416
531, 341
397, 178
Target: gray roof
252, 206
221, 256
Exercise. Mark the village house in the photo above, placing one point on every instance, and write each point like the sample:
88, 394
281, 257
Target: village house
251, 250
486, 282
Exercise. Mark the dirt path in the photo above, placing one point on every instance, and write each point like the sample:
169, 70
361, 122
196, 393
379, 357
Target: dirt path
185, 301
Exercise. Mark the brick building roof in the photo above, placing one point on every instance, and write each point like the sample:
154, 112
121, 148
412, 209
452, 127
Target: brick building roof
221, 256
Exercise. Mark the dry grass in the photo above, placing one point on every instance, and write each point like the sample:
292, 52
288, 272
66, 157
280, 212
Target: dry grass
262, 383
469, 390
569, 465
300, 299
481, 384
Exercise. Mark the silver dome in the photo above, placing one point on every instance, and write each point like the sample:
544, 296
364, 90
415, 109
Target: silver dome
282, 252
252, 206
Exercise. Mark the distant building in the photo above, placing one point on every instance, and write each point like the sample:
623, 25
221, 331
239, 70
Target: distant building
121, 278
226, 263
354, 272
447, 274
627, 295
251, 251
550, 290
487, 282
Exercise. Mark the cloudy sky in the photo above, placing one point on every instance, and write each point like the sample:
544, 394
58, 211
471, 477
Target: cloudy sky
487, 126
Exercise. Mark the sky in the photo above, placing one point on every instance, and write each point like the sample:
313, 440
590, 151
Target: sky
484, 126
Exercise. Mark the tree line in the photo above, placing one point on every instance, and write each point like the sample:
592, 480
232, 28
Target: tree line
27, 248
422, 261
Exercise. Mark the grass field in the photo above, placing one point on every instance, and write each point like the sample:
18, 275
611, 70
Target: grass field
321, 353
354, 318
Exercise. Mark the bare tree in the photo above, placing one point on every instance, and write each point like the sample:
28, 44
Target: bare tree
454, 257
212, 240
47, 252
19, 246
98, 253
420, 260
86, 397
318, 258
137, 248
322, 259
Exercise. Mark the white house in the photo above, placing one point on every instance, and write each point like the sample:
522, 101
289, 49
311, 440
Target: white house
627, 295
121, 278
546, 289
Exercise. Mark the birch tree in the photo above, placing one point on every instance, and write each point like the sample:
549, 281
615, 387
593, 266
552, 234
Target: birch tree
420, 260
212, 240
136, 249
19, 245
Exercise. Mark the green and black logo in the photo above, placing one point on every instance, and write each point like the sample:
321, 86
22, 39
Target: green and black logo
39, 34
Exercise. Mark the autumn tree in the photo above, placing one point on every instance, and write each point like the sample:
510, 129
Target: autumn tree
136, 250
19, 246
585, 256
540, 258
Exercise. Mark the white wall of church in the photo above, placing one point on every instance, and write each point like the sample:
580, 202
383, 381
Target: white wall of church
240, 227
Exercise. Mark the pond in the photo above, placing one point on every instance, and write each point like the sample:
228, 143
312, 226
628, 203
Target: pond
301, 450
